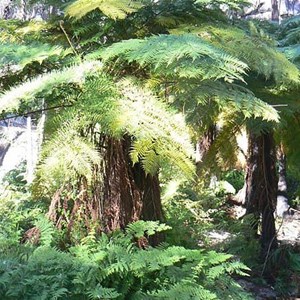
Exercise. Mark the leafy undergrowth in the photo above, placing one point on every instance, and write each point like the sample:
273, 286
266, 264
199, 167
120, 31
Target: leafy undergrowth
203, 217
114, 267
187, 266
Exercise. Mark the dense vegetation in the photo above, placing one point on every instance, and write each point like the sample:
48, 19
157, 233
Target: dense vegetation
139, 106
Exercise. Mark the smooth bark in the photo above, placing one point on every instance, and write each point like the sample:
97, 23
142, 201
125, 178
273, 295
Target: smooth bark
282, 206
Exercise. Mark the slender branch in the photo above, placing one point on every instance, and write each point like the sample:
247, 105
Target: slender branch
68, 39
35, 111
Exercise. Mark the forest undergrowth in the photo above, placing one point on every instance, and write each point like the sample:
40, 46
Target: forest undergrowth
207, 253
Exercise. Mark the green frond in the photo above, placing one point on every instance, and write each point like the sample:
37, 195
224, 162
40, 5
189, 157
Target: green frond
215, 258
233, 4
27, 32
19, 54
289, 39
160, 134
186, 56
115, 9
258, 53
46, 229
184, 291
26, 92
229, 97
141, 228
292, 53
289, 32
103, 293
66, 157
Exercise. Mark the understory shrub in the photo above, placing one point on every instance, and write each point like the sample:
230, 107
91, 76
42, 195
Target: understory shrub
117, 267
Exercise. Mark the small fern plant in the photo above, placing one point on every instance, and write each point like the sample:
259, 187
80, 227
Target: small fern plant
114, 267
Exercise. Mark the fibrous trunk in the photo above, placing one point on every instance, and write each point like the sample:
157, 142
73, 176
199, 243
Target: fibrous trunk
202, 149
129, 194
120, 193
205, 143
261, 191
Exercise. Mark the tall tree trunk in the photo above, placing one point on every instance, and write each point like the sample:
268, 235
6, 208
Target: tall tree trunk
261, 188
282, 206
275, 10
29, 156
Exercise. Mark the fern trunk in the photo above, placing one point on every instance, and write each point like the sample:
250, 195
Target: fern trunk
120, 193
205, 143
129, 194
261, 191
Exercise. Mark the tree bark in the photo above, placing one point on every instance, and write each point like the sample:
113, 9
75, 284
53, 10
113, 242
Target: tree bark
261, 190
129, 194
120, 193
282, 206
29, 156
275, 10
122, 198
204, 144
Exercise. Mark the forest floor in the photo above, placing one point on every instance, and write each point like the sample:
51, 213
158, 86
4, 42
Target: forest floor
288, 234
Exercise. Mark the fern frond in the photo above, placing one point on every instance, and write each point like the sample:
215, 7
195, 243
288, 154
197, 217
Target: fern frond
66, 156
292, 53
233, 4
46, 229
115, 9
19, 54
159, 132
260, 56
231, 97
140, 228
289, 33
186, 56
183, 291
26, 92
100, 292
